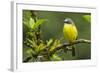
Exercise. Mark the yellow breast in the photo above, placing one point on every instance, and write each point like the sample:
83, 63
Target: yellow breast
70, 32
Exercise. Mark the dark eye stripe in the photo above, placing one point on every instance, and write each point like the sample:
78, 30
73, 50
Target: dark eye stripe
68, 22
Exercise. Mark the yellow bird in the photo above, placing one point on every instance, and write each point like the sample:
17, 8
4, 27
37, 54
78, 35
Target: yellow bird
70, 32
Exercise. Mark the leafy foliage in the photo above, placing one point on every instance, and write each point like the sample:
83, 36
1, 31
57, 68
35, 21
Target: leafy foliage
55, 57
38, 23
54, 45
36, 50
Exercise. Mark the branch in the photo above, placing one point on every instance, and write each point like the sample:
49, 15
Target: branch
76, 42
70, 44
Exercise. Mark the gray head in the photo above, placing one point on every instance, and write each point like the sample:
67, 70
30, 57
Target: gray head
68, 21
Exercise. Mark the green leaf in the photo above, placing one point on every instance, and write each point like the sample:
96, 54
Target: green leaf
26, 18
26, 15
38, 22
29, 51
26, 27
55, 44
40, 47
31, 22
49, 42
55, 58
87, 17
33, 43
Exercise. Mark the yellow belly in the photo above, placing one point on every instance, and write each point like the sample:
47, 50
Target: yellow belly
70, 32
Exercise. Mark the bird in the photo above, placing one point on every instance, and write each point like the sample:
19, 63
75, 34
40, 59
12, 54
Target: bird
70, 32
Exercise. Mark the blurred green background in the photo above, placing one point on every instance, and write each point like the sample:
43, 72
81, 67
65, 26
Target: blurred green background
53, 28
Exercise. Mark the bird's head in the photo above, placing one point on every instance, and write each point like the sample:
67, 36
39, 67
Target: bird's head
68, 21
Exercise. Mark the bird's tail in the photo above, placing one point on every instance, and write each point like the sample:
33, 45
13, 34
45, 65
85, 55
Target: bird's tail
73, 50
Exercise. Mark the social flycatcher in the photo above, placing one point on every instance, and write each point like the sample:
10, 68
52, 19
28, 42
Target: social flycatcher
70, 32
